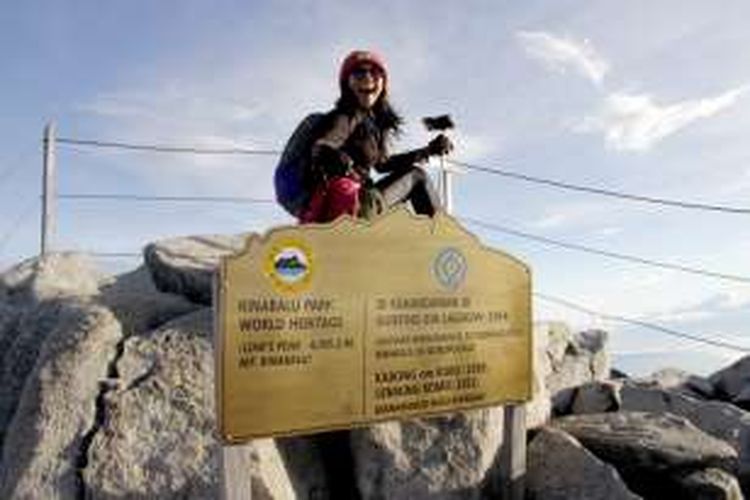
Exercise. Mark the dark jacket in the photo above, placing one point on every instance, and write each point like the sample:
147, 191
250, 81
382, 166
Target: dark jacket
352, 142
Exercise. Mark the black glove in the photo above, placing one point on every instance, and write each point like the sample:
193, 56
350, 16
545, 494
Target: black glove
440, 145
332, 162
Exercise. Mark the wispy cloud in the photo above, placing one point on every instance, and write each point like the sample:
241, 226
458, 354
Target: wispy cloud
552, 220
732, 300
609, 231
738, 184
635, 122
155, 105
561, 54
573, 214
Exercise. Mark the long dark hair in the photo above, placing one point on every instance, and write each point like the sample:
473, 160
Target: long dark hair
386, 117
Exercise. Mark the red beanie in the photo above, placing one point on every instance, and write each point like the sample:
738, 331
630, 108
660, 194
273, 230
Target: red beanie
357, 57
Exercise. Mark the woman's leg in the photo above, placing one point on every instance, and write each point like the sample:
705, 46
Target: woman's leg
411, 184
336, 197
342, 197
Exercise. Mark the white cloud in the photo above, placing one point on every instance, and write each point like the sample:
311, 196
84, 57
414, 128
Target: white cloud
731, 300
569, 214
610, 231
473, 147
553, 220
156, 104
643, 280
737, 185
562, 53
687, 347
636, 123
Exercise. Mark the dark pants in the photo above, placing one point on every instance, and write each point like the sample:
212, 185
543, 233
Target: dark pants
412, 184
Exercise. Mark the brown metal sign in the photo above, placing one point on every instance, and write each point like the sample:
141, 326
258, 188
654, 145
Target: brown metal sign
333, 326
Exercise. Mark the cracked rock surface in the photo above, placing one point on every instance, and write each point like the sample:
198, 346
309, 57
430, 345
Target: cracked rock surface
157, 438
44, 440
439, 458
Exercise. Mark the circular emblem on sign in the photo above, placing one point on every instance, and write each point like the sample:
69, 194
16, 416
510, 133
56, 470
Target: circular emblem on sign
289, 265
449, 268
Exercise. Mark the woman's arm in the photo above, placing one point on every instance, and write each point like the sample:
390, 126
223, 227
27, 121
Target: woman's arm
403, 160
327, 157
440, 145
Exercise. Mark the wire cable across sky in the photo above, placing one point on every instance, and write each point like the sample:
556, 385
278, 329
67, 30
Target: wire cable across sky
643, 324
167, 149
606, 253
604, 192
160, 198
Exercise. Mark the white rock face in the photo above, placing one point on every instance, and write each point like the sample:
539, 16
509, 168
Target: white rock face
33, 327
157, 435
559, 468
56, 275
185, 266
33, 300
564, 361
57, 409
137, 303
539, 409
436, 458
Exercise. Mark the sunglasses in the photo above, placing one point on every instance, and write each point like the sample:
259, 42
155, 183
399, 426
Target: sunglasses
362, 72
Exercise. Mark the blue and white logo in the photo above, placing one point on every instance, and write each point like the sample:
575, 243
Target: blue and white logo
450, 268
291, 264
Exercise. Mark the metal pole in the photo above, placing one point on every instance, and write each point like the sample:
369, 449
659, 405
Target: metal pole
513, 453
48, 189
446, 186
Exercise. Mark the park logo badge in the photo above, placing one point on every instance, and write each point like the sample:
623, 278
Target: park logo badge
289, 265
449, 268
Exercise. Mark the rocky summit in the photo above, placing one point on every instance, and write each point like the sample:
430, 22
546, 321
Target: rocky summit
106, 391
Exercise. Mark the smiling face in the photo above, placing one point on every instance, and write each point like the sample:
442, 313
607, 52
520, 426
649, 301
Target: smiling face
366, 83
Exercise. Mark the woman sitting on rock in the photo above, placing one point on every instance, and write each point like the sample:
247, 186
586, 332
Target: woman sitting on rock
353, 141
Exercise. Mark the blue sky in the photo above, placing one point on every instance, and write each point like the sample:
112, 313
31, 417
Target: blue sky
644, 97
